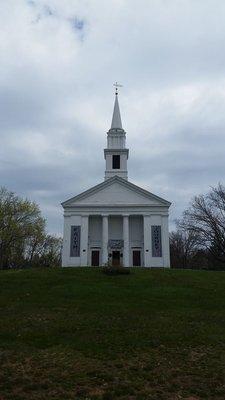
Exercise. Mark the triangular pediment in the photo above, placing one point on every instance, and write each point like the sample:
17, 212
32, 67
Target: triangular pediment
116, 191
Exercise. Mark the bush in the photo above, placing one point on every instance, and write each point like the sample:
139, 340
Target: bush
116, 271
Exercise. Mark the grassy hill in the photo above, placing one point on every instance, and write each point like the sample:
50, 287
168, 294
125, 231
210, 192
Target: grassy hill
79, 334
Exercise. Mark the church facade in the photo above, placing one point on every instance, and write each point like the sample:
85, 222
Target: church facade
116, 222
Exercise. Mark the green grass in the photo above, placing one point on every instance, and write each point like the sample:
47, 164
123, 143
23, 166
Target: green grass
79, 334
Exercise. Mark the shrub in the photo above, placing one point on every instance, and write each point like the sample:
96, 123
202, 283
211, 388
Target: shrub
116, 271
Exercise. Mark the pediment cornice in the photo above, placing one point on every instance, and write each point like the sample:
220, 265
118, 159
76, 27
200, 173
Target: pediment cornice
116, 179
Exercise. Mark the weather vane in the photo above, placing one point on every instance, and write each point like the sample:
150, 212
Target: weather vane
117, 85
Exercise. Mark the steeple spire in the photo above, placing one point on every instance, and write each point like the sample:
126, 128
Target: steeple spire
116, 119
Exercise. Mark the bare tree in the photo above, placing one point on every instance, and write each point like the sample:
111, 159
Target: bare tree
51, 251
183, 247
206, 219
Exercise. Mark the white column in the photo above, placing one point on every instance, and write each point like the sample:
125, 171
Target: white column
84, 241
66, 241
147, 241
165, 242
126, 241
105, 238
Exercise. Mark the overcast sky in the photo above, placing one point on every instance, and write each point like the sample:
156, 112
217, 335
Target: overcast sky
58, 62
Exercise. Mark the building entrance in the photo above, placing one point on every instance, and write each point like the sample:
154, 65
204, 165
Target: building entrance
136, 258
116, 258
95, 258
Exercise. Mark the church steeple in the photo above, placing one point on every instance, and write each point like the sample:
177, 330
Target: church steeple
116, 154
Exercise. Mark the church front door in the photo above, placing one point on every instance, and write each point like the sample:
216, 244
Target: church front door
116, 258
136, 258
95, 258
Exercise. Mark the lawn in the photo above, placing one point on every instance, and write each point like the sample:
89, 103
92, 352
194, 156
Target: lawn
79, 334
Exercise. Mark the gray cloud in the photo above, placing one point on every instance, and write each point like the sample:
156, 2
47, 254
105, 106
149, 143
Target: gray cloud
58, 63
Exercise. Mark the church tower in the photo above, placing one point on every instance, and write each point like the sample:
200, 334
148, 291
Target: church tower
116, 154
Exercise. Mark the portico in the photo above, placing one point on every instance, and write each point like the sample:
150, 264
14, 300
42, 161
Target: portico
115, 244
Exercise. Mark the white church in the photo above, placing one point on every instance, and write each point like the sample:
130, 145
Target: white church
116, 222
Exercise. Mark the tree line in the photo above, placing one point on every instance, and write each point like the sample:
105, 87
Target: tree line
24, 241
199, 239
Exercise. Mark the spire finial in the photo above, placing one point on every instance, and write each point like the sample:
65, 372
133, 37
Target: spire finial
117, 85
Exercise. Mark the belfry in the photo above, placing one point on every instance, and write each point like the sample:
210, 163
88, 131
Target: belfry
116, 222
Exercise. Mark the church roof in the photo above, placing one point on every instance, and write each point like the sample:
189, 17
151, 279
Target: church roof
116, 119
130, 187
